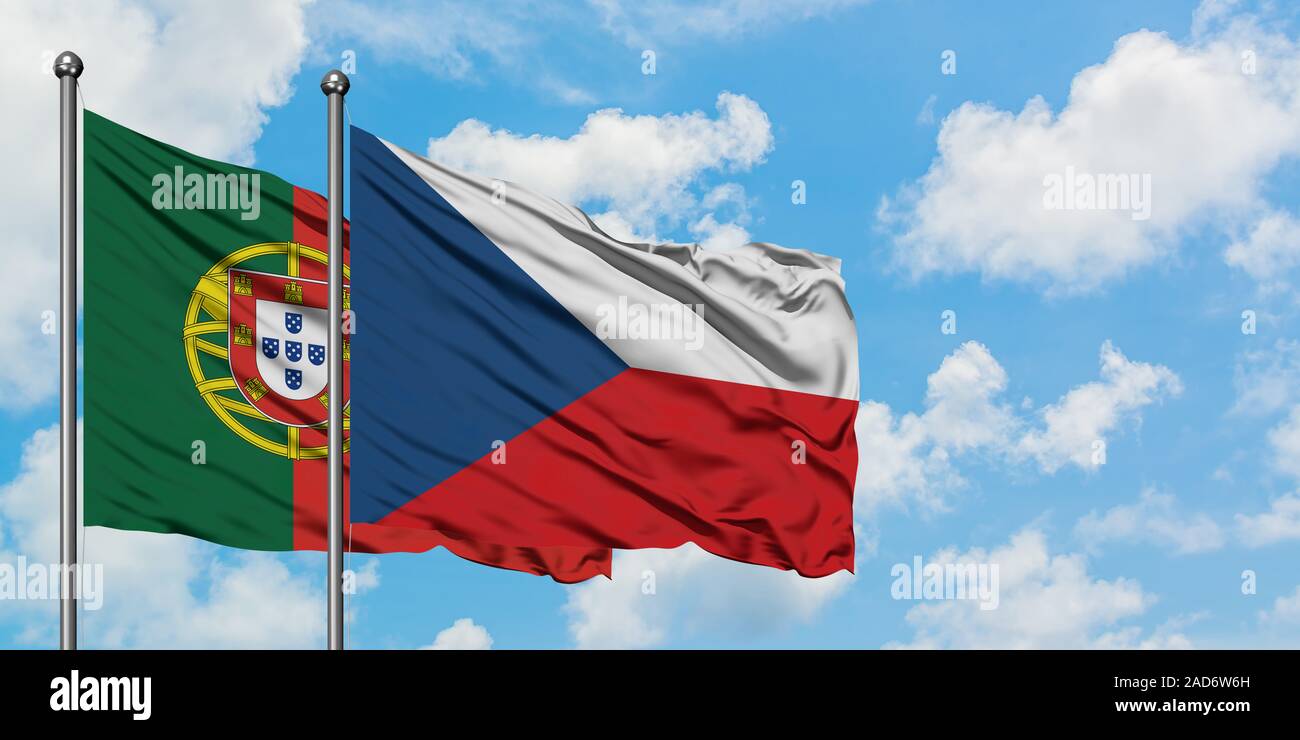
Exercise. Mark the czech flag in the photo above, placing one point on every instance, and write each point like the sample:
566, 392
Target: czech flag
520, 377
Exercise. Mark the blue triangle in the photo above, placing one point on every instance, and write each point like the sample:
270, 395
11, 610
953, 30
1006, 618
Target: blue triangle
455, 346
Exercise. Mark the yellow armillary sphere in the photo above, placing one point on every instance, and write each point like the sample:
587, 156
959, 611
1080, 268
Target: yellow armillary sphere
205, 336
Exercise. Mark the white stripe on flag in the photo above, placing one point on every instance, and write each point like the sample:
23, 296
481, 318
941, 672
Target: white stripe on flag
772, 316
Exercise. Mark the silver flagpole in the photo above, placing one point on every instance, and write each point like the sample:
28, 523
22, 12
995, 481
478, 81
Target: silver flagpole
67, 67
335, 85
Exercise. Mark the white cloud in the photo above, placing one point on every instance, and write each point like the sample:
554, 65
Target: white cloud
26, 502
960, 409
613, 223
1155, 519
462, 40
1045, 601
1284, 439
162, 591
463, 634
925, 117
1090, 412
898, 465
1186, 114
662, 595
1269, 251
446, 37
714, 235
31, 368
566, 92
365, 578
729, 201
641, 167
1285, 611
253, 602
1267, 381
1279, 524
1166, 636
910, 459
165, 87
674, 22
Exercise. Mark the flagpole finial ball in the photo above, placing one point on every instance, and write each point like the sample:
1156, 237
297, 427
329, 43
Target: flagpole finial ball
333, 82
68, 64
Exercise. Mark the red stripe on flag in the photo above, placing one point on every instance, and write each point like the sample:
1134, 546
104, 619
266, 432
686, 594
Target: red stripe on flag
311, 477
652, 459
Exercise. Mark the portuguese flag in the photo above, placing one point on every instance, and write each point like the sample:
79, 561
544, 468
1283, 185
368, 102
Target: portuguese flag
204, 373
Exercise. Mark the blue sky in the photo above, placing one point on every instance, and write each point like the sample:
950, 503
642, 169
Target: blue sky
978, 444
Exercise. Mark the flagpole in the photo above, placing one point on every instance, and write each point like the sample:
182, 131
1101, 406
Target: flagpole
68, 67
335, 85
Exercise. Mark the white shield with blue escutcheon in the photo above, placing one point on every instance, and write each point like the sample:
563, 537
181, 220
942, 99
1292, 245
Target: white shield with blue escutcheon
291, 348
